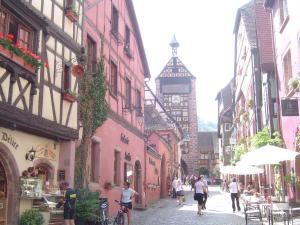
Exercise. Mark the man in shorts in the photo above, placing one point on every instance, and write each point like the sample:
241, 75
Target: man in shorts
69, 203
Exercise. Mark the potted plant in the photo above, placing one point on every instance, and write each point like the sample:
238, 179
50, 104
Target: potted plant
69, 95
87, 206
72, 13
32, 216
294, 82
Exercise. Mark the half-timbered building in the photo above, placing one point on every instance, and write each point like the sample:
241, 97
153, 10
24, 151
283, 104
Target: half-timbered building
117, 150
40, 42
176, 89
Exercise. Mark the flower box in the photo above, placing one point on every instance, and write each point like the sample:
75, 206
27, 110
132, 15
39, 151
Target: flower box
71, 15
69, 97
29, 67
17, 59
109, 185
5, 52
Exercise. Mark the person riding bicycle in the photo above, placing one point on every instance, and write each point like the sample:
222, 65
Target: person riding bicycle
126, 199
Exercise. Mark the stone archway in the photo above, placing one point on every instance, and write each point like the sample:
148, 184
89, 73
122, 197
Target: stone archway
13, 185
138, 181
163, 178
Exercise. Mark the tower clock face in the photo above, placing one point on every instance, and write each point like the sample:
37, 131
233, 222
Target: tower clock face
175, 99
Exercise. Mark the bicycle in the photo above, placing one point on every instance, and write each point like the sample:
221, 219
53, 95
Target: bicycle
120, 218
102, 219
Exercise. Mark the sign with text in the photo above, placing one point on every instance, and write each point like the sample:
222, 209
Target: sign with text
289, 107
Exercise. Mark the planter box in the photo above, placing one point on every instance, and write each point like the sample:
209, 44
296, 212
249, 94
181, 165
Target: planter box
71, 15
68, 97
17, 59
29, 67
5, 52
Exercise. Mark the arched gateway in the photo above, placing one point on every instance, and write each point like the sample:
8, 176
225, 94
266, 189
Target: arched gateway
138, 181
9, 187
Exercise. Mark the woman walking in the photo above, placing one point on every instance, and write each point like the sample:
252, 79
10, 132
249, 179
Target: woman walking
179, 191
234, 194
199, 192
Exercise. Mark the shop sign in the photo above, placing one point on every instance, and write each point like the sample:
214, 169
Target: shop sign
152, 162
289, 107
44, 151
5, 137
127, 156
124, 139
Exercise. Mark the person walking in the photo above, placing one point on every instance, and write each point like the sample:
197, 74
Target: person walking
126, 199
234, 194
68, 203
205, 193
198, 193
179, 192
174, 185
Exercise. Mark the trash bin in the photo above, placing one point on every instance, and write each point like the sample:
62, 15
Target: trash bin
103, 206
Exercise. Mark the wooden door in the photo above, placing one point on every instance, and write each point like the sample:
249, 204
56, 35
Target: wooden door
3, 196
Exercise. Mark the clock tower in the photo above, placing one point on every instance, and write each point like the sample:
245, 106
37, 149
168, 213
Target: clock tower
176, 89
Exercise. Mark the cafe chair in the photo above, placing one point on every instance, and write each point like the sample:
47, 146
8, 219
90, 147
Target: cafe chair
294, 215
252, 211
279, 213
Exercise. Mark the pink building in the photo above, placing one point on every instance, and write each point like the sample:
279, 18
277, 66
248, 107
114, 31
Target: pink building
287, 44
163, 152
117, 151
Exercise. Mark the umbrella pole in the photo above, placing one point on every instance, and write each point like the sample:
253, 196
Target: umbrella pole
270, 181
259, 183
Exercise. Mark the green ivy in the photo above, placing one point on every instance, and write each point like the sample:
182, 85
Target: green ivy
93, 111
31, 217
263, 138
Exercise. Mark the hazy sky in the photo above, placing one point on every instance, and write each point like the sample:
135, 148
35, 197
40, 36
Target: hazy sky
204, 30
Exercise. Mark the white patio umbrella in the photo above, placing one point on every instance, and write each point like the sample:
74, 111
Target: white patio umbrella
241, 169
268, 155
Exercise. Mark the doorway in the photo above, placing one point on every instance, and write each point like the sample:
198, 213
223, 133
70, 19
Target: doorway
138, 181
163, 178
3, 195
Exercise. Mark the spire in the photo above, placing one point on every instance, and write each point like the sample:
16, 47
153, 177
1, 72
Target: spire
174, 44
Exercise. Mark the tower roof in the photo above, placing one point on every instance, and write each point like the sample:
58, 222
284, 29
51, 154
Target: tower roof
175, 68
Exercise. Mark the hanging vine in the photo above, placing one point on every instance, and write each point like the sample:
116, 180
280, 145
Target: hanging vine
93, 112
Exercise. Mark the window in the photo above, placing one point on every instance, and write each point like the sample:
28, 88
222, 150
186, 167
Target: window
283, 10
227, 126
67, 77
287, 66
95, 160
117, 163
114, 21
9, 24
3, 20
127, 39
127, 93
138, 103
128, 172
113, 79
69, 3
91, 54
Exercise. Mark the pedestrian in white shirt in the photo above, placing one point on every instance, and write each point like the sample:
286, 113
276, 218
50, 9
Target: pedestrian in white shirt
179, 191
174, 185
234, 194
199, 192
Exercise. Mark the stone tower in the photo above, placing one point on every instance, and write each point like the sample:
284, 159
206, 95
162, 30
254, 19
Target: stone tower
176, 89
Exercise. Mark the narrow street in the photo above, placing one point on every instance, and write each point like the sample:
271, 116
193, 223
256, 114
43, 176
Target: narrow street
167, 211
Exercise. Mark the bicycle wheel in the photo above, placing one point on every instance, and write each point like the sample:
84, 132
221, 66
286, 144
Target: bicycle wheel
119, 220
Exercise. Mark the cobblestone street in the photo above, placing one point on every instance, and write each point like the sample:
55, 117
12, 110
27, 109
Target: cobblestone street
168, 212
